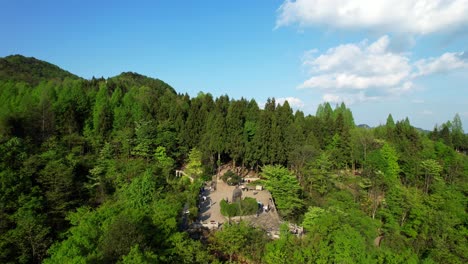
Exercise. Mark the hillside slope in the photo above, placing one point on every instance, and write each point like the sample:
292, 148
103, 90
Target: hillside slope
31, 70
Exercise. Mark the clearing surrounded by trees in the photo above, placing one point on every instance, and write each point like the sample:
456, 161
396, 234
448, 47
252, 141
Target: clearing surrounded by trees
210, 209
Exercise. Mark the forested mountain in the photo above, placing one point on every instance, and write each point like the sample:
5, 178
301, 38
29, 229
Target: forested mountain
30, 70
87, 176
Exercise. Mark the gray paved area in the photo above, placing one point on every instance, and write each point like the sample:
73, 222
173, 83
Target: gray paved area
210, 208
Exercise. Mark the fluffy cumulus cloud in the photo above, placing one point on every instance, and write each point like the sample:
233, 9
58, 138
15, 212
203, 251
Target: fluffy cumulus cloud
408, 16
444, 63
348, 98
358, 66
365, 71
293, 101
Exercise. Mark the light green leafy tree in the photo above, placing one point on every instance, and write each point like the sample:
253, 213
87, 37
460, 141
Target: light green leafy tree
390, 166
164, 162
337, 236
285, 188
431, 169
194, 166
285, 250
231, 239
318, 173
141, 191
241, 241
458, 135
138, 256
31, 234
186, 250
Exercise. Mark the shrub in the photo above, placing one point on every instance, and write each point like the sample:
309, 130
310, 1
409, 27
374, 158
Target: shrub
247, 206
231, 178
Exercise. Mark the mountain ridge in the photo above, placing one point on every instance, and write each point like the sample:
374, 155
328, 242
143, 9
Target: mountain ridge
31, 70
19, 68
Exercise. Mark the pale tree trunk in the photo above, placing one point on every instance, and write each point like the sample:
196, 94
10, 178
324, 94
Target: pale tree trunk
375, 202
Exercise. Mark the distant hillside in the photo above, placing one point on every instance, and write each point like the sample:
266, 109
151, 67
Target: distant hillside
364, 126
422, 130
131, 79
19, 68
31, 70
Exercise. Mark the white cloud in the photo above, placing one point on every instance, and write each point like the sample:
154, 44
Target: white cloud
358, 72
293, 101
408, 16
347, 98
426, 112
358, 66
447, 62
332, 98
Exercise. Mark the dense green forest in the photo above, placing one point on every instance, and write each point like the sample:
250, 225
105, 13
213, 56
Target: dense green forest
87, 176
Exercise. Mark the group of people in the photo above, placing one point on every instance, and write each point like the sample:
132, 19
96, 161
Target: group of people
203, 197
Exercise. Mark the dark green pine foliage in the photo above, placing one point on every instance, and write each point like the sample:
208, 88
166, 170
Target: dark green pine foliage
214, 136
409, 145
263, 139
285, 118
196, 119
102, 114
325, 126
235, 141
251, 134
458, 135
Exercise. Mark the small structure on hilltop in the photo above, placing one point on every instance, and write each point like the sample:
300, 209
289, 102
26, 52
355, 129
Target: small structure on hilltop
236, 194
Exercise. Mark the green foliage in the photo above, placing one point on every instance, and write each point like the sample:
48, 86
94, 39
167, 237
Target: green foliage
145, 136
194, 166
138, 226
31, 224
239, 241
229, 210
338, 236
119, 237
235, 120
246, 206
390, 122
141, 191
102, 115
186, 250
231, 178
165, 163
317, 176
285, 189
82, 242
136, 256
87, 174
287, 249
231, 239
249, 206
31, 70
390, 166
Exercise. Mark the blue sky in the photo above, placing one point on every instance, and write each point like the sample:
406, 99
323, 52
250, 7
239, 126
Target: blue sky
380, 57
